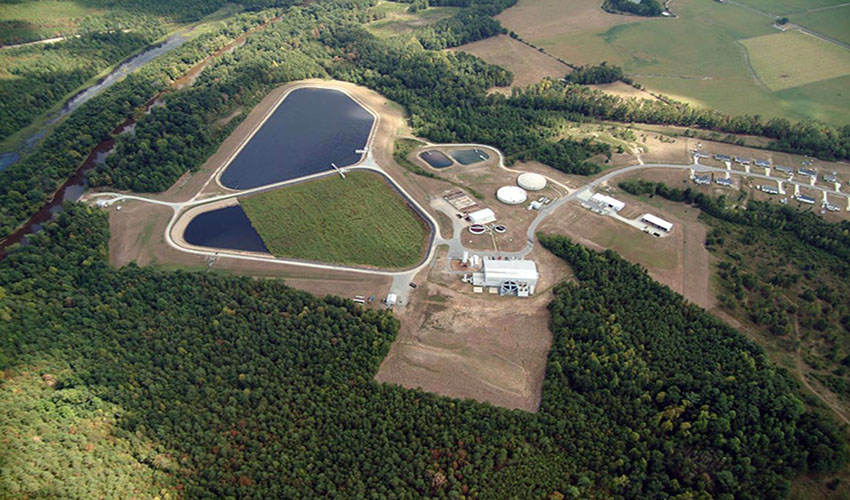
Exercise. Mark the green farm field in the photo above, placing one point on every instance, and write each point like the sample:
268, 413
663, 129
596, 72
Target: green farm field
696, 58
832, 22
359, 220
37, 19
792, 59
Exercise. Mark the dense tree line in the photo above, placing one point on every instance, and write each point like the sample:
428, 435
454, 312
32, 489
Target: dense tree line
807, 137
39, 76
601, 73
780, 269
28, 184
250, 389
647, 8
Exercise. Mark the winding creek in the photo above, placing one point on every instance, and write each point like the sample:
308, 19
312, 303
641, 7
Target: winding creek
125, 68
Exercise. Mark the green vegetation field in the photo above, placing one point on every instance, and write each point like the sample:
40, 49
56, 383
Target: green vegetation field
694, 58
791, 59
398, 20
360, 220
832, 22
33, 20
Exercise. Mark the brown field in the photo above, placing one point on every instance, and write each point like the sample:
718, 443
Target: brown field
679, 261
528, 65
623, 90
483, 347
550, 18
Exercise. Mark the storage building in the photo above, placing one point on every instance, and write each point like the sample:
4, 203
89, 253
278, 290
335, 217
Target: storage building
511, 195
657, 222
511, 277
608, 202
483, 216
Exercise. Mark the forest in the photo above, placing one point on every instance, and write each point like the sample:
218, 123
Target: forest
247, 388
806, 137
600, 73
781, 270
34, 78
28, 184
647, 8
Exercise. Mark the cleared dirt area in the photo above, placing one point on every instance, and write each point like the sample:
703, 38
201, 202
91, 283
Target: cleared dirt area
679, 260
476, 346
549, 18
623, 90
528, 65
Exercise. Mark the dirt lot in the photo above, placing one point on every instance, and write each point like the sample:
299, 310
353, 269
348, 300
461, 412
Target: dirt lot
549, 18
679, 260
528, 65
477, 346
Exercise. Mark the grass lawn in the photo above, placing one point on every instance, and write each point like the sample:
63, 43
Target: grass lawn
398, 21
696, 57
36, 19
791, 59
359, 220
832, 22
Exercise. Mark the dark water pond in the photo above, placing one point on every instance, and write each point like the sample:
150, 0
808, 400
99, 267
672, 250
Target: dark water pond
469, 156
436, 159
227, 227
311, 129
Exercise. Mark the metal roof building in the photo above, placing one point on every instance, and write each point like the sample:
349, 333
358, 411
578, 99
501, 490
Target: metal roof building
762, 163
805, 199
768, 189
724, 181
807, 172
608, 202
483, 216
787, 170
512, 277
657, 222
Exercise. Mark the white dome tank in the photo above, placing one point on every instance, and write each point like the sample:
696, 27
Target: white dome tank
531, 181
511, 195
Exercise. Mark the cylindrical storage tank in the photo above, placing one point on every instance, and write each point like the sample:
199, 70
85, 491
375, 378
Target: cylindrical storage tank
511, 195
531, 181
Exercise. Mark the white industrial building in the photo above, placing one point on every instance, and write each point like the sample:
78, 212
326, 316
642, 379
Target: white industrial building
657, 222
511, 277
483, 216
608, 202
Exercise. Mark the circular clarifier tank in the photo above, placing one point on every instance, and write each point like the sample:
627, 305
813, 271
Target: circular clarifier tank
531, 181
511, 195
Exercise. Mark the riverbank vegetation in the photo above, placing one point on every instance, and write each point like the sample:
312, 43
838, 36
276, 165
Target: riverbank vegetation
35, 78
782, 271
360, 220
247, 388
28, 184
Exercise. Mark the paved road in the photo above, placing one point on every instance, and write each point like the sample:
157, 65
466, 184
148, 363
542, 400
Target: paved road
401, 279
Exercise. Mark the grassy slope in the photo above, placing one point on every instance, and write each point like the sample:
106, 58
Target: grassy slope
792, 59
37, 19
356, 221
399, 21
701, 43
830, 22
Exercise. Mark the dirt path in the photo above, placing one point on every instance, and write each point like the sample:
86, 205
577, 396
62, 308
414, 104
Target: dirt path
802, 369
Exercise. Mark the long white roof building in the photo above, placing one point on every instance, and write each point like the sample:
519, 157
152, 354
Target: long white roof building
511, 276
657, 221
